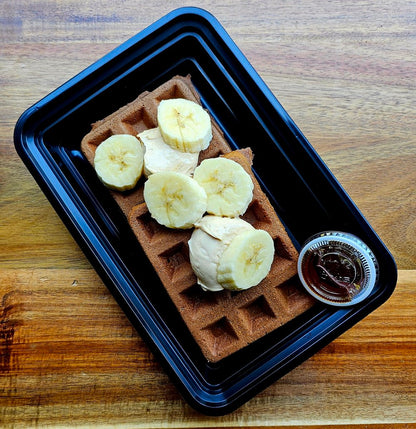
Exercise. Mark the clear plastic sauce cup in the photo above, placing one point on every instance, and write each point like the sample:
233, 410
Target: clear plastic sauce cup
337, 268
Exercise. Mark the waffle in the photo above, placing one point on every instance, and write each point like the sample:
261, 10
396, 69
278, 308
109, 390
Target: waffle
220, 322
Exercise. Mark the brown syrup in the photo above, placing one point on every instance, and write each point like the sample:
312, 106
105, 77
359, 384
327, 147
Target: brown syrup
334, 270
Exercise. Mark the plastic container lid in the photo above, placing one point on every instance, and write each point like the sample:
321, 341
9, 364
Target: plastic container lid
337, 268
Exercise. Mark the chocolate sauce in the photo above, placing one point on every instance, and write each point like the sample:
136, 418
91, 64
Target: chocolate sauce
335, 270
336, 267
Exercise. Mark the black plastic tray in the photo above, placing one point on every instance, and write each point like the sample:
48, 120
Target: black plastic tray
303, 191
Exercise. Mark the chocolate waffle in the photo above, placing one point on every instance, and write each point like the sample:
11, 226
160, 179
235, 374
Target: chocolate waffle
220, 322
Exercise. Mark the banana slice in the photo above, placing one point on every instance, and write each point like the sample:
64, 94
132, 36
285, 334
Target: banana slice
159, 156
228, 186
211, 236
184, 125
174, 199
246, 261
118, 162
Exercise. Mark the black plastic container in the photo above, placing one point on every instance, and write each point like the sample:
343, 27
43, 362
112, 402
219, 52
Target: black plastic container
189, 40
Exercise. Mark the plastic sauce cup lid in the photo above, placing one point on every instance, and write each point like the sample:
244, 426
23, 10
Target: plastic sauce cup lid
337, 268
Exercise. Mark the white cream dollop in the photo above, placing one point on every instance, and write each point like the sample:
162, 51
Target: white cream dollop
210, 238
159, 156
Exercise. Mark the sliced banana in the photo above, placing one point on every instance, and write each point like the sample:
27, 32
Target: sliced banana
246, 261
159, 156
184, 125
228, 186
118, 161
174, 199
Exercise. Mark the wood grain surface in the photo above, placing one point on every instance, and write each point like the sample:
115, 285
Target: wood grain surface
345, 72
